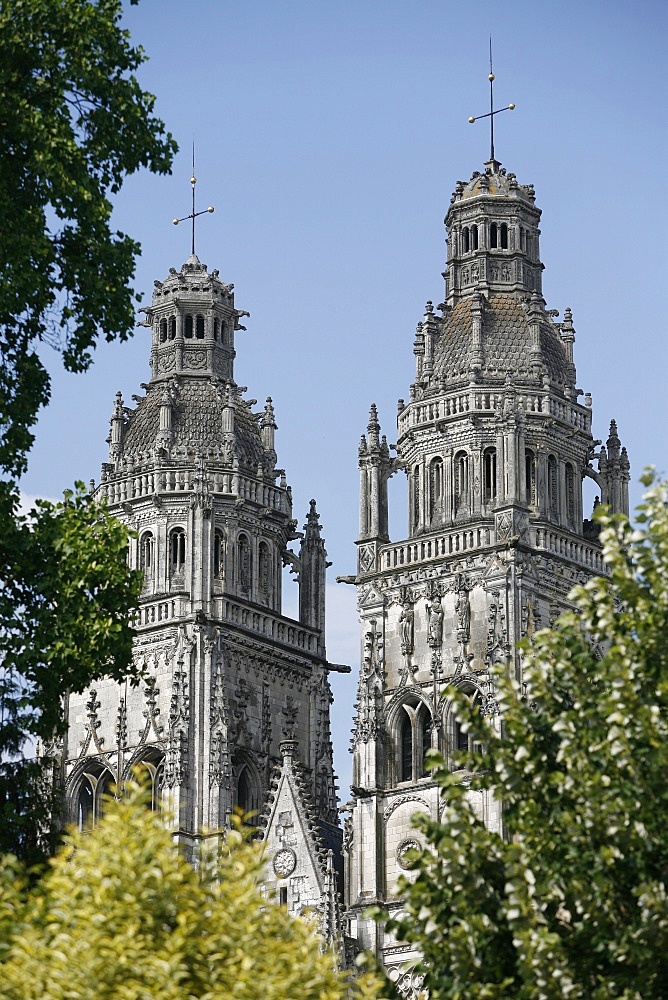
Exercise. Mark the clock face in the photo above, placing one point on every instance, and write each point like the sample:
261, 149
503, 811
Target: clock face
285, 861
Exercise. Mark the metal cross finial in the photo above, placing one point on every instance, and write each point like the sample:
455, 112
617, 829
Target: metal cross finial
193, 215
491, 112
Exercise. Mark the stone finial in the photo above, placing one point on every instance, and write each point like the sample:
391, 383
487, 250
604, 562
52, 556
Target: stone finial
613, 442
312, 527
373, 427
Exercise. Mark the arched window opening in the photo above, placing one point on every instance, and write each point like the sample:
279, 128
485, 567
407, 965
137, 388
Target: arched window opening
489, 474
172, 328
406, 748
570, 493
216, 328
147, 556
436, 488
530, 478
462, 741
177, 554
218, 554
199, 327
95, 785
522, 238
154, 771
416, 496
461, 481
247, 798
474, 237
493, 236
189, 327
264, 570
163, 331
552, 485
504, 236
243, 563
465, 239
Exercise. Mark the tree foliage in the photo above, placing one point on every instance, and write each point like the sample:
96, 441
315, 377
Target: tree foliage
65, 610
122, 916
74, 122
571, 902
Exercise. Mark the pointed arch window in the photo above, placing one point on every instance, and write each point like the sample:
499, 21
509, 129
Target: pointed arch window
466, 244
154, 770
247, 793
530, 478
493, 236
413, 740
199, 327
489, 474
462, 741
95, 785
474, 237
504, 236
552, 485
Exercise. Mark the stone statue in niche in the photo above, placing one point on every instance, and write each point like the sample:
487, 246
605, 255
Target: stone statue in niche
435, 626
406, 620
462, 609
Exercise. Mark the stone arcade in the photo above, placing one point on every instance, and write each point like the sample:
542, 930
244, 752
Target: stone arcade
495, 441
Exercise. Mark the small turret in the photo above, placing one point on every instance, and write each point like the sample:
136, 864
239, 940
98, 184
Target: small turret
312, 575
374, 464
117, 422
615, 469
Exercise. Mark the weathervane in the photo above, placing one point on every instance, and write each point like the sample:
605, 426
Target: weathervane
193, 215
490, 114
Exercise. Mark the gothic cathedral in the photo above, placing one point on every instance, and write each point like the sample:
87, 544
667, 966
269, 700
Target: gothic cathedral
495, 440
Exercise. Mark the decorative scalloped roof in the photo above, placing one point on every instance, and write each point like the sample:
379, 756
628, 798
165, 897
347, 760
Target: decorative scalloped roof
196, 425
506, 341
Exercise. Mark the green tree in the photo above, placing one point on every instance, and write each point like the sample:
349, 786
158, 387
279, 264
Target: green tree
571, 902
122, 916
73, 123
65, 610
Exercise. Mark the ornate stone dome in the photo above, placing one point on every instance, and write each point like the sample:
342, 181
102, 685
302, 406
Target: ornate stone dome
508, 338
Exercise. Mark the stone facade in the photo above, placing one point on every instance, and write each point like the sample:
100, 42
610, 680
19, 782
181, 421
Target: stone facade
227, 677
495, 442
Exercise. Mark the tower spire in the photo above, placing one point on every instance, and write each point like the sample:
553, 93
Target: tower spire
193, 215
490, 114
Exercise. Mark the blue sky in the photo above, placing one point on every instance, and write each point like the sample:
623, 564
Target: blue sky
329, 137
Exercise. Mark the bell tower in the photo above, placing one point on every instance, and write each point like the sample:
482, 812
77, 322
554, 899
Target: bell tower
495, 439
226, 675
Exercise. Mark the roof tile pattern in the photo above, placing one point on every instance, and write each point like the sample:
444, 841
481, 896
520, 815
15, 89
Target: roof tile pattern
506, 341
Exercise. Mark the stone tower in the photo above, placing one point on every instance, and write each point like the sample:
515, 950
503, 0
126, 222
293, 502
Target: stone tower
495, 441
233, 690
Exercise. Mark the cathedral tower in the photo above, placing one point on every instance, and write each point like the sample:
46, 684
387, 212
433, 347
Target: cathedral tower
232, 688
495, 439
